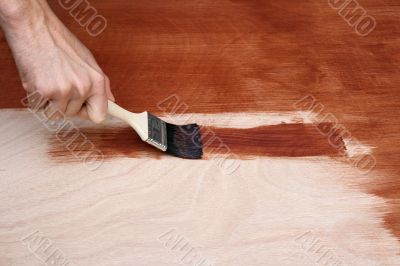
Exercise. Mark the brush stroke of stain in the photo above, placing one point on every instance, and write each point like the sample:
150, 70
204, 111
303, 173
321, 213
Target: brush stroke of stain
284, 140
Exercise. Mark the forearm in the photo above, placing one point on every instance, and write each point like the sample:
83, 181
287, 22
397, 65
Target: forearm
53, 62
17, 15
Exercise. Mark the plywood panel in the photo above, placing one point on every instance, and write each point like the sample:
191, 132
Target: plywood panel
240, 65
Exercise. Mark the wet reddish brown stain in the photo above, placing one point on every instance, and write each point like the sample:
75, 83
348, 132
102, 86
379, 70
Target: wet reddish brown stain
263, 56
284, 140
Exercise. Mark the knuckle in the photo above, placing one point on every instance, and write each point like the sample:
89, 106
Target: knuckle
41, 85
99, 80
27, 86
98, 117
54, 89
83, 89
45, 91
63, 91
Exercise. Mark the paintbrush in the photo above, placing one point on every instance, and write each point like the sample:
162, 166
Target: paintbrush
181, 141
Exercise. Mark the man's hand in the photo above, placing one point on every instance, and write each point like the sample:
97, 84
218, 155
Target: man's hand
53, 62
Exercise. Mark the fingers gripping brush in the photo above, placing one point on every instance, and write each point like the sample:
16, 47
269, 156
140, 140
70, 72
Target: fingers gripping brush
180, 141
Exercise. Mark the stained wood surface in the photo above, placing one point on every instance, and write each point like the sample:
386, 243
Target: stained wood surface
252, 59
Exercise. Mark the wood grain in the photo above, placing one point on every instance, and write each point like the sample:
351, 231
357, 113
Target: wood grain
241, 56
284, 140
144, 211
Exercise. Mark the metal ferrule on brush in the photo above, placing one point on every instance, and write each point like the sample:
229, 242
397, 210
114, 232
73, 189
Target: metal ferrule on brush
157, 131
181, 141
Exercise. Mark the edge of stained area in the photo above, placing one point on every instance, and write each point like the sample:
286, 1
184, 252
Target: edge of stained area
281, 140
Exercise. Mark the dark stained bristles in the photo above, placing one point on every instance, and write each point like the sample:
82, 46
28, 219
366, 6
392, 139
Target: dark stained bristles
184, 141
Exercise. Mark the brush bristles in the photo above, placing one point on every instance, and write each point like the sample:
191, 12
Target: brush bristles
184, 141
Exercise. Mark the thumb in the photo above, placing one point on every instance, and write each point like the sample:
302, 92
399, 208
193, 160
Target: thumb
109, 93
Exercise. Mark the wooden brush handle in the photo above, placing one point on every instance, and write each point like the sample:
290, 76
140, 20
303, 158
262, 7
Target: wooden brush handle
119, 112
137, 121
